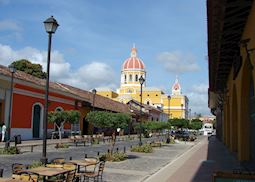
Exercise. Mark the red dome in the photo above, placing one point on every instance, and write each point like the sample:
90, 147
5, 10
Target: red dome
133, 62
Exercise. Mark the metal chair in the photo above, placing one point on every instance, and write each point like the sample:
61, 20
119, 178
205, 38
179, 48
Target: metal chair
17, 167
57, 161
96, 175
70, 176
28, 176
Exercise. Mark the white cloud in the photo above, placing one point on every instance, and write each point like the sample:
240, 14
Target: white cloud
177, 62
198, 99
95, 74
9, 25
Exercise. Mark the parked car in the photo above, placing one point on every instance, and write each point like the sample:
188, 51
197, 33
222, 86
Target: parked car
184, 135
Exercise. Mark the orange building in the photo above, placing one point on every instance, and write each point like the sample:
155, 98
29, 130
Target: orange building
28, 104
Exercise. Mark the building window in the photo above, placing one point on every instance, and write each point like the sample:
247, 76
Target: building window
156, 95
125, 78
136, 78
148, 95
107, 95
130, 78
148, 102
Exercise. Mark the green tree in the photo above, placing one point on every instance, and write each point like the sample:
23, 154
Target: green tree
29, 68
195, 124
154, 125
108, 120
179, 123
59, 118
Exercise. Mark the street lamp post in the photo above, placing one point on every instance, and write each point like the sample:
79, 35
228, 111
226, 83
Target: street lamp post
182, 110
12, 70
141, 80
94, 91
169, 98
169, 117
51, 26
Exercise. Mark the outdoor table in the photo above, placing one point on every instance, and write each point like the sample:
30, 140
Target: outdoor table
48, 172
10, 180
83, 163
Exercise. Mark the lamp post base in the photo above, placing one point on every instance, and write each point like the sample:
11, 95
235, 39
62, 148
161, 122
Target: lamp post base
44, 160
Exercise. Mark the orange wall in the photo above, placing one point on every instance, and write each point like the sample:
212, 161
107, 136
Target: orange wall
24, 87
22, 110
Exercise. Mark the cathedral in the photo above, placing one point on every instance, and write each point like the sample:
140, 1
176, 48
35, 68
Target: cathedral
132, 71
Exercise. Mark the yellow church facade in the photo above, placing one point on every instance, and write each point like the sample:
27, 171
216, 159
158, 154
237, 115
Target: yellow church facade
133, 69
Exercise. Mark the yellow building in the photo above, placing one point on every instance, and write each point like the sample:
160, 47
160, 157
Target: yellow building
231, 43
132, 70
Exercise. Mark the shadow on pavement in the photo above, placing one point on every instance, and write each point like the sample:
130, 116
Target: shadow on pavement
218, 159
133, 157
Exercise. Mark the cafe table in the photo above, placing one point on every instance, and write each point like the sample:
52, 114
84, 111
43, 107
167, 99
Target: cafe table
10, 180
48, 171
83, 163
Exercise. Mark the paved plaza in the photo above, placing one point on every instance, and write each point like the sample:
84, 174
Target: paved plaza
138, 167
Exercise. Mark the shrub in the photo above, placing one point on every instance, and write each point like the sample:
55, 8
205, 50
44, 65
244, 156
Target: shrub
35, 164
115, 157
155, 144
146, 148
61, 145
10, 150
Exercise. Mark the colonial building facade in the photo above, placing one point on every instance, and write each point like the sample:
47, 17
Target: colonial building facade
174, 104
26, 113
231, 43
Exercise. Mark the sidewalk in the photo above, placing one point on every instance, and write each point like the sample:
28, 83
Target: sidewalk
198, 163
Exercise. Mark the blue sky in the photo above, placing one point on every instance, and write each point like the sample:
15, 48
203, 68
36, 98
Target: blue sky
95, 37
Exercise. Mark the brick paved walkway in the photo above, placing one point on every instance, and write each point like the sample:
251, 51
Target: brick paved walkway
198, 163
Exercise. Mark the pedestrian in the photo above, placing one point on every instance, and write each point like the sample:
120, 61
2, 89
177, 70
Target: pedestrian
3, 132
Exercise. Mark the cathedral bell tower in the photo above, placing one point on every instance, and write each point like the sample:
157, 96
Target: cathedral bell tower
132, 69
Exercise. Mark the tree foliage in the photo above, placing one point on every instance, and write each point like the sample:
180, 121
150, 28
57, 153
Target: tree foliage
155, 125
59, 118
195, 124
29, 68
102, 119
179, 123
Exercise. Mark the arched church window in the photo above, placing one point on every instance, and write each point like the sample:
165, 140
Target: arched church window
125, 77
148, 102
130, 78
136, 78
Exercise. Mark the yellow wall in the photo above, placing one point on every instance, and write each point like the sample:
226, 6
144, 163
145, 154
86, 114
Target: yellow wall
236, 128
